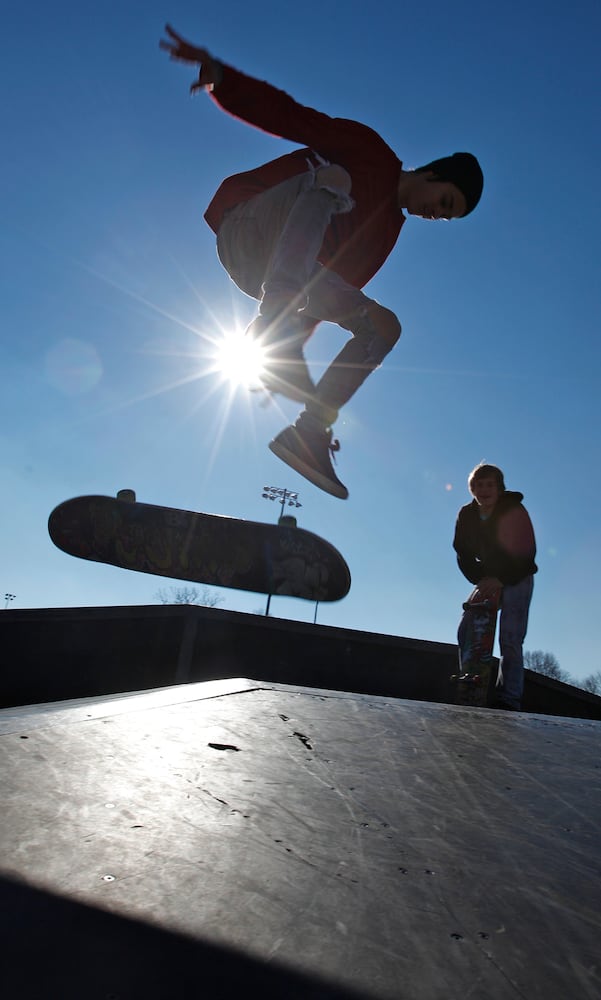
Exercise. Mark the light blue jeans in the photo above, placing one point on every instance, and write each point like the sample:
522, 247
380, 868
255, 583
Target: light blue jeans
513, 623
269, 246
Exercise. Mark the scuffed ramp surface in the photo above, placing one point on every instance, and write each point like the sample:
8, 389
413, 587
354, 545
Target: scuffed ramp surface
399, 849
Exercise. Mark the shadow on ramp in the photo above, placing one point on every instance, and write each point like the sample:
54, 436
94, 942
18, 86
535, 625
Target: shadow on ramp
58, 948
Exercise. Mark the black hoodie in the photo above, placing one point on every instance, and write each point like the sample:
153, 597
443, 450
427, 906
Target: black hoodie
480, 553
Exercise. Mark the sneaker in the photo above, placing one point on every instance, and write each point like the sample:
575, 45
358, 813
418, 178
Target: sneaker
308, 452
284, 367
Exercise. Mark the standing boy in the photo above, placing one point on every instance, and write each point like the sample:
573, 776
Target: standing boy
305, 232
495, 546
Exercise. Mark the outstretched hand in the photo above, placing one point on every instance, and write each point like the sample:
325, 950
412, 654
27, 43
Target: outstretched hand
178, 48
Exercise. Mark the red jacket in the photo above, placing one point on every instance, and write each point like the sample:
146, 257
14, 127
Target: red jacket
356, 243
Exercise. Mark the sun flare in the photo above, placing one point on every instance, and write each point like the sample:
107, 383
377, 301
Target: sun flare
238, 359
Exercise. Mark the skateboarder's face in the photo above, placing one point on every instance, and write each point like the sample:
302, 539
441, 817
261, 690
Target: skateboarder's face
486, 493
432, 199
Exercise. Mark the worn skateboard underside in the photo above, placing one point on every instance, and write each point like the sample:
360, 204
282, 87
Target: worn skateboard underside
204, 548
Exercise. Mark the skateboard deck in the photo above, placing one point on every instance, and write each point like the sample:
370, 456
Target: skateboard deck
277, 559
476, 680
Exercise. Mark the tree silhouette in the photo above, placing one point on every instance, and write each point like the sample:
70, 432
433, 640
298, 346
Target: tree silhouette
205, 598
592, 683
547, 664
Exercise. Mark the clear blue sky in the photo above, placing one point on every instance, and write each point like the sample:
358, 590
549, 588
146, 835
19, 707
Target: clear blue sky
112, 295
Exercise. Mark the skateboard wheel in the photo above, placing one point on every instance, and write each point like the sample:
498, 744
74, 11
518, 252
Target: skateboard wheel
129, 496
287, 521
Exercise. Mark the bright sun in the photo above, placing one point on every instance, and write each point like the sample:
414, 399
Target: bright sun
238, 359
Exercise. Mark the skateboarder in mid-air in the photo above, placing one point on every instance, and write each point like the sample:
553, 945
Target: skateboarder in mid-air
305, 232
495, 546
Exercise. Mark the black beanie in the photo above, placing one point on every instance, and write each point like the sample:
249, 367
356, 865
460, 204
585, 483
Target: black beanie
462, 170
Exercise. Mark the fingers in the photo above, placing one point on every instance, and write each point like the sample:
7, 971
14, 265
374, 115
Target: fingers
169, 46
178, 47
181, 50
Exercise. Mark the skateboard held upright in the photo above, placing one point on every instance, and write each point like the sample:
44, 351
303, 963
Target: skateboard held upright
476, 681
277, 559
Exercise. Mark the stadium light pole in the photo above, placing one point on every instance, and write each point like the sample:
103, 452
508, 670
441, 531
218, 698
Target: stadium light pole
283, 497
7, 599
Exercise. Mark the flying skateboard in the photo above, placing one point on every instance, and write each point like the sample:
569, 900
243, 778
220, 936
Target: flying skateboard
476, 681
276, 559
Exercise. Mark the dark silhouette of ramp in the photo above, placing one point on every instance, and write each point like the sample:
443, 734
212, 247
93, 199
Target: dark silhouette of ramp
59, 653
327, 842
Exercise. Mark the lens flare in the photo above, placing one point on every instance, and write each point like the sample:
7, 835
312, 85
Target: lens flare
73, 366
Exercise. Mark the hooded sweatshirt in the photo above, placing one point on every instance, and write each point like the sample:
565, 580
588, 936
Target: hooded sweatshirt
501, 546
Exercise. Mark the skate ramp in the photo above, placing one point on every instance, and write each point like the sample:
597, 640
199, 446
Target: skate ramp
233, 836
63, 653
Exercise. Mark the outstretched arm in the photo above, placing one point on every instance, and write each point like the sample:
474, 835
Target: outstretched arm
260, 104
210, 70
